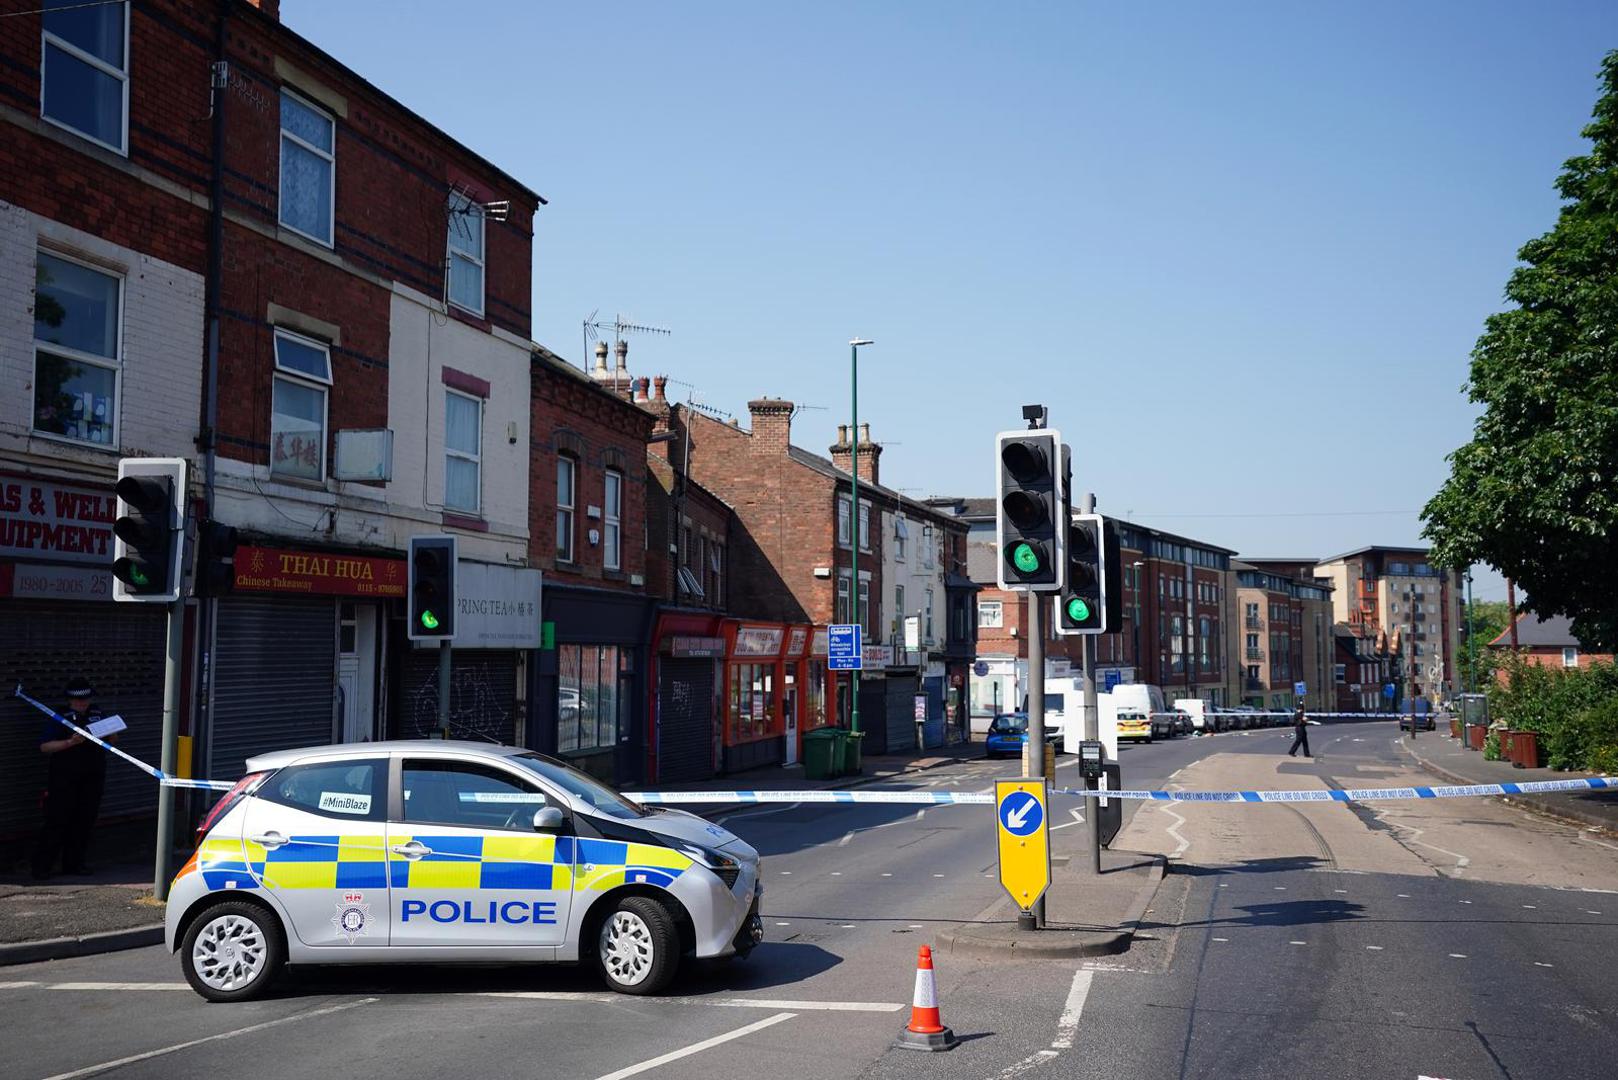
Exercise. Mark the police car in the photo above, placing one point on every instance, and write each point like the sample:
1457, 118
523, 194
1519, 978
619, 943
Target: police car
440, 851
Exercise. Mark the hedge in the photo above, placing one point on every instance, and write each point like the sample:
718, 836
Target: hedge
1574, 710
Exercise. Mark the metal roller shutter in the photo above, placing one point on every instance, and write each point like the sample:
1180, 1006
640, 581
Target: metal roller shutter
119, 648
901, 713
686, 729
934, 731
482, 695
275, 678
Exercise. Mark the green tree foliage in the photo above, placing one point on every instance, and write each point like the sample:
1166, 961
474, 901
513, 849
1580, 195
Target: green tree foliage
1535, 493
1489, 618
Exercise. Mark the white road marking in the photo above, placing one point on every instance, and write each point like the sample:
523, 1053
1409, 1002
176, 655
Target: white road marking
886, 874
1403, 895
836, 873
1039, 1057
1297, 943
1068, 1024
811, 1006
1340, 890
1457, 956
1589, 912
1221, 939
786, 873
1222, 885
846, 926
1530, 907
885, 825
1280, 888
118, 986
783, 924
1374, 948
1538, 964
91, 1070
1078, 819
1466, 901
697, 1047
16, 985
938, 875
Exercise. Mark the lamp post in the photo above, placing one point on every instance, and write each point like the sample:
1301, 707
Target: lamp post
854, 516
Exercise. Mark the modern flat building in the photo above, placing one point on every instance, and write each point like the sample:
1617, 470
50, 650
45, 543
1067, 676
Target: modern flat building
1380, 589
1286, 634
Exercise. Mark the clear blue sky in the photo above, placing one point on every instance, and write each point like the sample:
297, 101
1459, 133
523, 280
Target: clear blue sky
1241, 250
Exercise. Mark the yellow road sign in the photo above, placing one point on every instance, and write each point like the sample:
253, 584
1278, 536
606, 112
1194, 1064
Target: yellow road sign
1022, 826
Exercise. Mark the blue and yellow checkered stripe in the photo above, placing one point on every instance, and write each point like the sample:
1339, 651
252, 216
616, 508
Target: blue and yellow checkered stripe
509, 863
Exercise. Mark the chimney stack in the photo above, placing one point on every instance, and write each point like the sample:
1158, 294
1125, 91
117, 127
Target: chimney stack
772, 425
866, 454
600, 373
272, 8
620, 375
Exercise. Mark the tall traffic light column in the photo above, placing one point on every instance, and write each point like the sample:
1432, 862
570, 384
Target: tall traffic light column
431, 600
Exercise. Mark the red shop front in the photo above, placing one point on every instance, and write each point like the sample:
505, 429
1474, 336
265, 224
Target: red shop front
775, 690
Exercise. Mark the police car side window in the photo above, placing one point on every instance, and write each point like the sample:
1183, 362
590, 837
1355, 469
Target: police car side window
344, 790
468, 795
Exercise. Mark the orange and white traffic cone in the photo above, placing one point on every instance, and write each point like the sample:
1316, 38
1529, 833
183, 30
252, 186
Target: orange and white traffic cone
926, 1030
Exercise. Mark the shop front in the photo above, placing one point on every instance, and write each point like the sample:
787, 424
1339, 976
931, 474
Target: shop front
589, 683
775, 690
300, 652
687, 658
58, 622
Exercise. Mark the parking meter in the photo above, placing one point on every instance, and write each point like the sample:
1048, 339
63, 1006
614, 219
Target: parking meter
1091, 759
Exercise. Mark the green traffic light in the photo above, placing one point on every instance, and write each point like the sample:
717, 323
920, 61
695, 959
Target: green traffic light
1078, 610
138, 578
429, 620
1025, 558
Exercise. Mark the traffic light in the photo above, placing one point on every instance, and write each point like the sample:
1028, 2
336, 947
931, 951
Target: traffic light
1029, 524
1092, 598
216, 558
432, 588
148, 531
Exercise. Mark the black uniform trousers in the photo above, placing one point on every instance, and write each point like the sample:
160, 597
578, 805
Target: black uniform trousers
72, 803
1300, 737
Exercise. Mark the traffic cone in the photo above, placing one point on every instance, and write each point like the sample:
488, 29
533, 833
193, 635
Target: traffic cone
926, 1030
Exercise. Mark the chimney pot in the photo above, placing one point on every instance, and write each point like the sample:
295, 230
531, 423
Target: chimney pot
600, 370
865, 434
661, 382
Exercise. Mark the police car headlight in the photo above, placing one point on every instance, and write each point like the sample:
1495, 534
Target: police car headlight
727, 868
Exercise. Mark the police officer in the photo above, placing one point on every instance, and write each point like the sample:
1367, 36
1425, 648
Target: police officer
1300, 732
78, 772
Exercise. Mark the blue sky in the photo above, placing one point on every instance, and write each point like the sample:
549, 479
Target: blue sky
1241, 250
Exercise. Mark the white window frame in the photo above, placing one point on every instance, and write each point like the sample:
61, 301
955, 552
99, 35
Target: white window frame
331, 158
115, 363
569, 508
470, 210
1570, 656
612, 546
462, 455
303, 378
845, 521
901, 534
48, 41
998, 607
865, 525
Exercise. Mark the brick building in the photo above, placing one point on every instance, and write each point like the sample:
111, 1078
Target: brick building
803, 555
268, 266
1546, 643
1379, 589
1360, 672
1287, 634
587, 510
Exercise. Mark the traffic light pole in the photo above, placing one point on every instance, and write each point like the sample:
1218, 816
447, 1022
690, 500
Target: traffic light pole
1034, 748
443, 688
1092, 722
163, 872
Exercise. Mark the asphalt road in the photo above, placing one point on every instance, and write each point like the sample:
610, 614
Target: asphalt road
1322, 943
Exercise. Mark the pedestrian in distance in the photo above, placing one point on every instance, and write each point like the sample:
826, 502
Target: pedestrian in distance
77, 774
1300, 732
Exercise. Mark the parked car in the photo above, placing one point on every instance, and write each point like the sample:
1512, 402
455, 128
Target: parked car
1163, 725
1183, 724
1008, 733
1134, 726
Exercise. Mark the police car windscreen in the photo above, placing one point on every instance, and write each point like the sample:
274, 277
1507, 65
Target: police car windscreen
599, 797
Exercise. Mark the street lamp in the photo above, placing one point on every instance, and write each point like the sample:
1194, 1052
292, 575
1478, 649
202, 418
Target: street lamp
854, 516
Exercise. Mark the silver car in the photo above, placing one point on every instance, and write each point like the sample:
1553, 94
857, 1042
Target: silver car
438, 851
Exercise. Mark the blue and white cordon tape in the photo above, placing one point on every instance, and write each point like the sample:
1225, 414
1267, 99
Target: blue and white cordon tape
150, 770
979, 798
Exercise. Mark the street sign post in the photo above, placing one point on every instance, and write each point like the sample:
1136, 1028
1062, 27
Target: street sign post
1023, 831
1300, 689
844, 649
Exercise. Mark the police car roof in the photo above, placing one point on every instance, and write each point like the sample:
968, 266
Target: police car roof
281, 758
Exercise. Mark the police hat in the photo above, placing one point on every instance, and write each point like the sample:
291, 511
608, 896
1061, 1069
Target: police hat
80, 688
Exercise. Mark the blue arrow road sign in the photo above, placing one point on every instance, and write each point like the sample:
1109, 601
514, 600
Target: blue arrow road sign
843, 647
1021, 814
1388, 691
1300, 689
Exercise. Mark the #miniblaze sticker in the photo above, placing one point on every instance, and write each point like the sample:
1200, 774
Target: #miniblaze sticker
352, 915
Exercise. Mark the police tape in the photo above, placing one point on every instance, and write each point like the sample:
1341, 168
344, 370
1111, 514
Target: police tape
980, 798
1233, 713
153, 771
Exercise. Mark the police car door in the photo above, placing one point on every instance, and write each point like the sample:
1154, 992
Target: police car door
315, 842
468, 868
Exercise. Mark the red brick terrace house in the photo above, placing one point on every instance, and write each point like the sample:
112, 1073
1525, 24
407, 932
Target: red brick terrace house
1548, 643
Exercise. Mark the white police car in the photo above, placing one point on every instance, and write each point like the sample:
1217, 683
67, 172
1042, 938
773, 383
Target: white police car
451, 852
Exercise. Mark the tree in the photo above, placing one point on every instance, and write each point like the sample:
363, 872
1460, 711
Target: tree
1535, 493
1487, 619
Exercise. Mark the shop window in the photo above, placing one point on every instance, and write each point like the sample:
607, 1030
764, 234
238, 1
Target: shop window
752, 702
77, 321
814, 700
587, 707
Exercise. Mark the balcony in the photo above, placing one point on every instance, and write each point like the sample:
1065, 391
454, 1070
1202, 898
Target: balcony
1255, 654
1253, 622
1253, 685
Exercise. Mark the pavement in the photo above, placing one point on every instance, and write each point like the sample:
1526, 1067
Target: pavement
1448, 759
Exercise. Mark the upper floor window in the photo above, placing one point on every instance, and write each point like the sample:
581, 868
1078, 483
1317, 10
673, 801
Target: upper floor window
844, 524
463, 457
901, 536
84, 70
865, 526
612, 523
465, 253
927, 543
991, 615
298, 407
308, 168
77, 318
928, 611
566, 473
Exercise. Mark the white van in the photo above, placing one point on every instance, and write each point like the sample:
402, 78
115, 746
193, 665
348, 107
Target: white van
1198, 711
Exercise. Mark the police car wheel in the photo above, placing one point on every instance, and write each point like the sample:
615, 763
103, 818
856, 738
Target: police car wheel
232, 952
638, 947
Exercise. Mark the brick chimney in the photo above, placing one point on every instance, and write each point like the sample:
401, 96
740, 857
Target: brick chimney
869, 453
772, 425
272, 8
